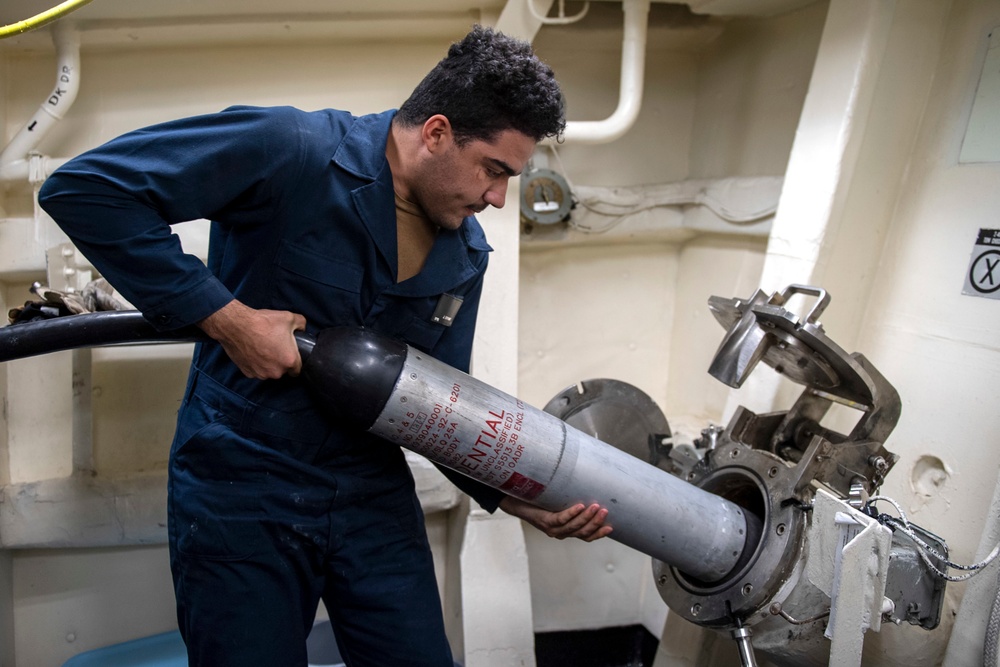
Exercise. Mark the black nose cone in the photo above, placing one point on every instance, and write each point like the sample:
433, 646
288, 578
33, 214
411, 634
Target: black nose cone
354, 371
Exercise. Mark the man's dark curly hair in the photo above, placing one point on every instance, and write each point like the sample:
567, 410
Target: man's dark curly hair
489, 82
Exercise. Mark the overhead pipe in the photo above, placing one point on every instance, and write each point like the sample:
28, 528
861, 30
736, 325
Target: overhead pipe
630, 88
562, 19
17, 161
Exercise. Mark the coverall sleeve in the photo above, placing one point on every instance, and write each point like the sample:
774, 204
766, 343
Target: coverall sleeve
117, 202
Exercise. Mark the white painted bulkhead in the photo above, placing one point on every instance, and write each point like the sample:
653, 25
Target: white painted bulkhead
876, 208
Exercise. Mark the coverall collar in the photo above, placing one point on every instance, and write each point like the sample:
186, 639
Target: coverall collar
362, 153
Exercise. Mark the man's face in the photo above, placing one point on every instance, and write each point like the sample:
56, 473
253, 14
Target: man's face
458, 181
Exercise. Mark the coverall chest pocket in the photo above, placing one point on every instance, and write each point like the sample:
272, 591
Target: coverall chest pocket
409, 320
327, 291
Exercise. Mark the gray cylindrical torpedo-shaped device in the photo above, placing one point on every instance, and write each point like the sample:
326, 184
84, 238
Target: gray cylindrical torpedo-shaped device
405, 396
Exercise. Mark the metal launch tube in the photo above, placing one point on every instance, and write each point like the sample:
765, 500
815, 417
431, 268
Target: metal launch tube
392, 390
409, 398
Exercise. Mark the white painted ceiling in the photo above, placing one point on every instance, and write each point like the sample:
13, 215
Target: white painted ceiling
137, 23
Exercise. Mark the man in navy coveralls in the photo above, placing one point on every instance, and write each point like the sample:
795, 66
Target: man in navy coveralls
319, 219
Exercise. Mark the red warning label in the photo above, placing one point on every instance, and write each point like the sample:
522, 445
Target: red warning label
522, 487
488, 451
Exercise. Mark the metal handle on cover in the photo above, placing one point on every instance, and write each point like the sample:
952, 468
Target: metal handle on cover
822, 299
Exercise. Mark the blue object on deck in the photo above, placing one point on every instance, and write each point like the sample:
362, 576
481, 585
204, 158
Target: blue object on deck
163, 650
167, 650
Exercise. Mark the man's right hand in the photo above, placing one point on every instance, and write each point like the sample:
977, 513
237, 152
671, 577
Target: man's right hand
584, 522
260, 342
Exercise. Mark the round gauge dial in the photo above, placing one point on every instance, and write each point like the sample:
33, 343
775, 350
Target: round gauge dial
545, 197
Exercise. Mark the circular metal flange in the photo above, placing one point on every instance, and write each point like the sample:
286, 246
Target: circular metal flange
614, 412
738, 473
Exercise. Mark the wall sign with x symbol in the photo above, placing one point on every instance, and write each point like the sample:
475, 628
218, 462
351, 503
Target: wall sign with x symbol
983, 277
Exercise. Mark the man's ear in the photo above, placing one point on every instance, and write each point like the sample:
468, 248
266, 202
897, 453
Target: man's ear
436, 133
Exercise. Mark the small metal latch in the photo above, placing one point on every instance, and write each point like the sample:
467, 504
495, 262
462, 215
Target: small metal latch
447, 309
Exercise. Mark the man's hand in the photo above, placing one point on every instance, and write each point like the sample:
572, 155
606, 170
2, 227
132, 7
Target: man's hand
580, 521
260, 342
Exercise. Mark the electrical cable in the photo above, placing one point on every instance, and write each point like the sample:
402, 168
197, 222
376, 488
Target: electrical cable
702, 199
38, 20
627, 206
576, 200
903, 524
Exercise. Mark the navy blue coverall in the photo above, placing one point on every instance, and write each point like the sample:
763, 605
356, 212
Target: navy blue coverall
272, 504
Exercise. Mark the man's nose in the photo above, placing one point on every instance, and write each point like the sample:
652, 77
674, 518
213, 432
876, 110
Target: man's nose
496, 194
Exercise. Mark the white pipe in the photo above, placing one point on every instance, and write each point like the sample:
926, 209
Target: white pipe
562, 19
16, 161
517, 21
630, 89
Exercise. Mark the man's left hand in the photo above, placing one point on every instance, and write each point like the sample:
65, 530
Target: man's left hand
579, 521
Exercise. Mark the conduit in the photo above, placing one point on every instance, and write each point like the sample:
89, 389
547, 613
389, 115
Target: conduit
737, 201
38, 20
16, 160
630, 87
